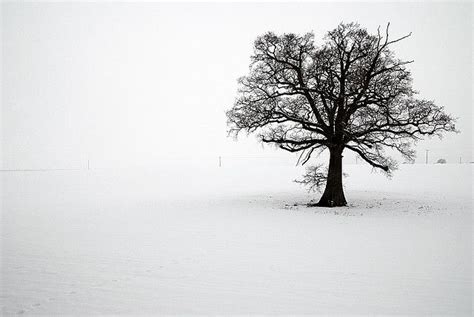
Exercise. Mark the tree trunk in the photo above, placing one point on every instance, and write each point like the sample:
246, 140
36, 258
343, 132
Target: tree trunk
333, 195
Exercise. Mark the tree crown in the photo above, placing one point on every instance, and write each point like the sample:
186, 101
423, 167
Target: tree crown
351, 92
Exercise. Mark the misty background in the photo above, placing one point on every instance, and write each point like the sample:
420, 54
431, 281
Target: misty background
122, 84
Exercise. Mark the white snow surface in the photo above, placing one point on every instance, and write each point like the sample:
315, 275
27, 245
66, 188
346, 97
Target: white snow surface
199, 239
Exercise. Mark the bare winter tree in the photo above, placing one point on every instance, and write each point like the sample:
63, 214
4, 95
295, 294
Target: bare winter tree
349, 93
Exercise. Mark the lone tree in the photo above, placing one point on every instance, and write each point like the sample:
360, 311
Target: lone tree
349, 93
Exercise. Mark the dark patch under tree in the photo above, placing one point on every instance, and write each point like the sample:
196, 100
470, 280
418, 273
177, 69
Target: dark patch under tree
349, 93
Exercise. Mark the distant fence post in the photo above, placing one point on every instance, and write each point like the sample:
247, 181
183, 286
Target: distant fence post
220, 161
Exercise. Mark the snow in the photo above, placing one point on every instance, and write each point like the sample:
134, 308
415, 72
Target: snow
199, 239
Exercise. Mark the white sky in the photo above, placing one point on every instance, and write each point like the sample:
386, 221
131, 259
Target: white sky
121, 82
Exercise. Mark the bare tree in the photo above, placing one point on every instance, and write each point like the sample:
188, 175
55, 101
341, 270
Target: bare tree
349, 93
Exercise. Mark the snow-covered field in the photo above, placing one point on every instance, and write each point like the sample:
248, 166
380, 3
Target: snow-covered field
198, 239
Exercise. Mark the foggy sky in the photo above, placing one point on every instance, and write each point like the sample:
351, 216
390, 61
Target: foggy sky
122, 83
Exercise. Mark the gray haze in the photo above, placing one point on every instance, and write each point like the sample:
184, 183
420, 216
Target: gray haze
124, 84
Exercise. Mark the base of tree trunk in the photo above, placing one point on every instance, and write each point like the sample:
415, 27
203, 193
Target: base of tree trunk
318, 204
330, 203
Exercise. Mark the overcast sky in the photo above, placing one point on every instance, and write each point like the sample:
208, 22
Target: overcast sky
120, 82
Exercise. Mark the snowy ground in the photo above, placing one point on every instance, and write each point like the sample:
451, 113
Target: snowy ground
235, 240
